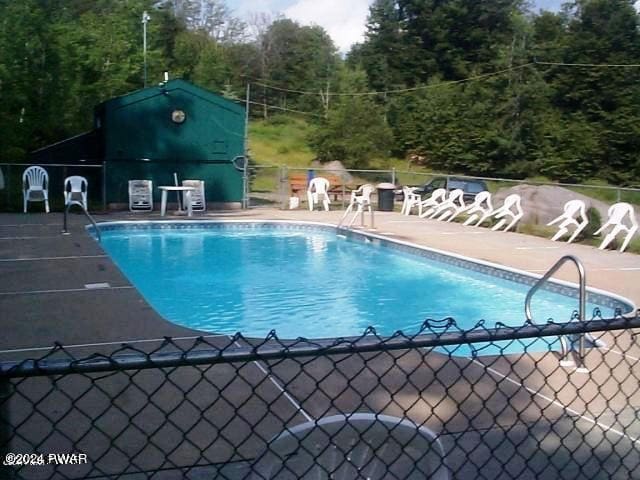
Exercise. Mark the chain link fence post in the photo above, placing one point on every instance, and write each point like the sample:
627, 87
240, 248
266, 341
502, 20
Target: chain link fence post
284, 186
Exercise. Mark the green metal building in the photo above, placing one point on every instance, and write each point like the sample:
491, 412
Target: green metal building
154, 132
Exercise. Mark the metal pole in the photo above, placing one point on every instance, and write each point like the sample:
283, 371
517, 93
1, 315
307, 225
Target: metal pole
284, 180
393, 175
245, 184
582, 306
65, 230
145, 20
245, 176
104, 186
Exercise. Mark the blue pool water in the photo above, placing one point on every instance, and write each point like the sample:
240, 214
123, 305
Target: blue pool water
310, 283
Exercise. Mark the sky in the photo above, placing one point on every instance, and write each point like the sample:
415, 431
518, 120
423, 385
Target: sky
344, 20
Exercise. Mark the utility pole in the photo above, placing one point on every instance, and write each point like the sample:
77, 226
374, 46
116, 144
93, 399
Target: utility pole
145, 20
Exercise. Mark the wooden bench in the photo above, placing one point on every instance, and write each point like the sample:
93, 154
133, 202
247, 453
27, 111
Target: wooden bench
298, 185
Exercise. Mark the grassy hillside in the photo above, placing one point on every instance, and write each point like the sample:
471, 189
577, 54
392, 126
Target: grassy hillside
280, 140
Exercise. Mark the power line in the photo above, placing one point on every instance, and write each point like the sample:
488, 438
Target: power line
287, 90
589, 65
399, 90
284, 109
437, 85
442, 84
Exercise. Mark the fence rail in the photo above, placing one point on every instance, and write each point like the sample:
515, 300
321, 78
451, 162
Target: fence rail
429, 405
269, 184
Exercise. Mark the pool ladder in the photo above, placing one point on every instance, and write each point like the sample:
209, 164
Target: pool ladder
363, 222
93, 222
566, 361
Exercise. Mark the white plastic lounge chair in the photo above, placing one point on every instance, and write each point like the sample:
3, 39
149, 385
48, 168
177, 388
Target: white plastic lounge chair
411, 199
451, 207
75, 189
318, 188
198, 201
572, 209
35, 186
140, 195
510, 208
361, 198
617, 213
431, 204
479, 210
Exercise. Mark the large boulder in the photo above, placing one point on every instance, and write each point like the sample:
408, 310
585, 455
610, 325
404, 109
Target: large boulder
543, 203
335, 168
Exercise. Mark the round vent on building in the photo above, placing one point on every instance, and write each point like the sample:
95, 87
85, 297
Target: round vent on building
178, 116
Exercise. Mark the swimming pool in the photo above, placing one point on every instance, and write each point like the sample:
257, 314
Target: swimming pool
304, 280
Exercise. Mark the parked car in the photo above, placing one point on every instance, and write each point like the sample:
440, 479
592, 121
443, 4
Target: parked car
469, 186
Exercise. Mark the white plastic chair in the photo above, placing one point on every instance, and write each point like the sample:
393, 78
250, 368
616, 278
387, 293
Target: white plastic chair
617, 213
575, 213
361, 198
510, 208
140, 195
451, 207
411, 199
479, 210
318, 188
75, 189
431, 204
198, 201
35, 186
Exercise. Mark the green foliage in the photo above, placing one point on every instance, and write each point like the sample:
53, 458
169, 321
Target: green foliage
595, 222
356, 129
299, 58
280, 140
568, 123
58, 59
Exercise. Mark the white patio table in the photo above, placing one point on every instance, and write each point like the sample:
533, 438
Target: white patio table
172, 188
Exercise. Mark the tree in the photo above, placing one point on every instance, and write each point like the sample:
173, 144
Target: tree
28, 77
356, 130
383, 54
210, 16
603, 32
296, 59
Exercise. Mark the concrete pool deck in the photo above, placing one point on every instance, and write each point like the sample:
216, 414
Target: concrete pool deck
63, 288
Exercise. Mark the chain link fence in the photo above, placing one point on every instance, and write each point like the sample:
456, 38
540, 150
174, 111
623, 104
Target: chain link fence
274, 185
431, 405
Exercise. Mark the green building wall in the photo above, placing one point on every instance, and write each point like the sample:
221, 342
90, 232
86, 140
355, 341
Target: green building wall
142, 140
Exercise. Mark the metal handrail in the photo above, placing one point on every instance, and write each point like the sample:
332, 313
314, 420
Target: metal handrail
362, 217
582, 299
93, 222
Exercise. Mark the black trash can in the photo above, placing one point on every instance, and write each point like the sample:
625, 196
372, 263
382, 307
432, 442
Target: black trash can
386, 195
